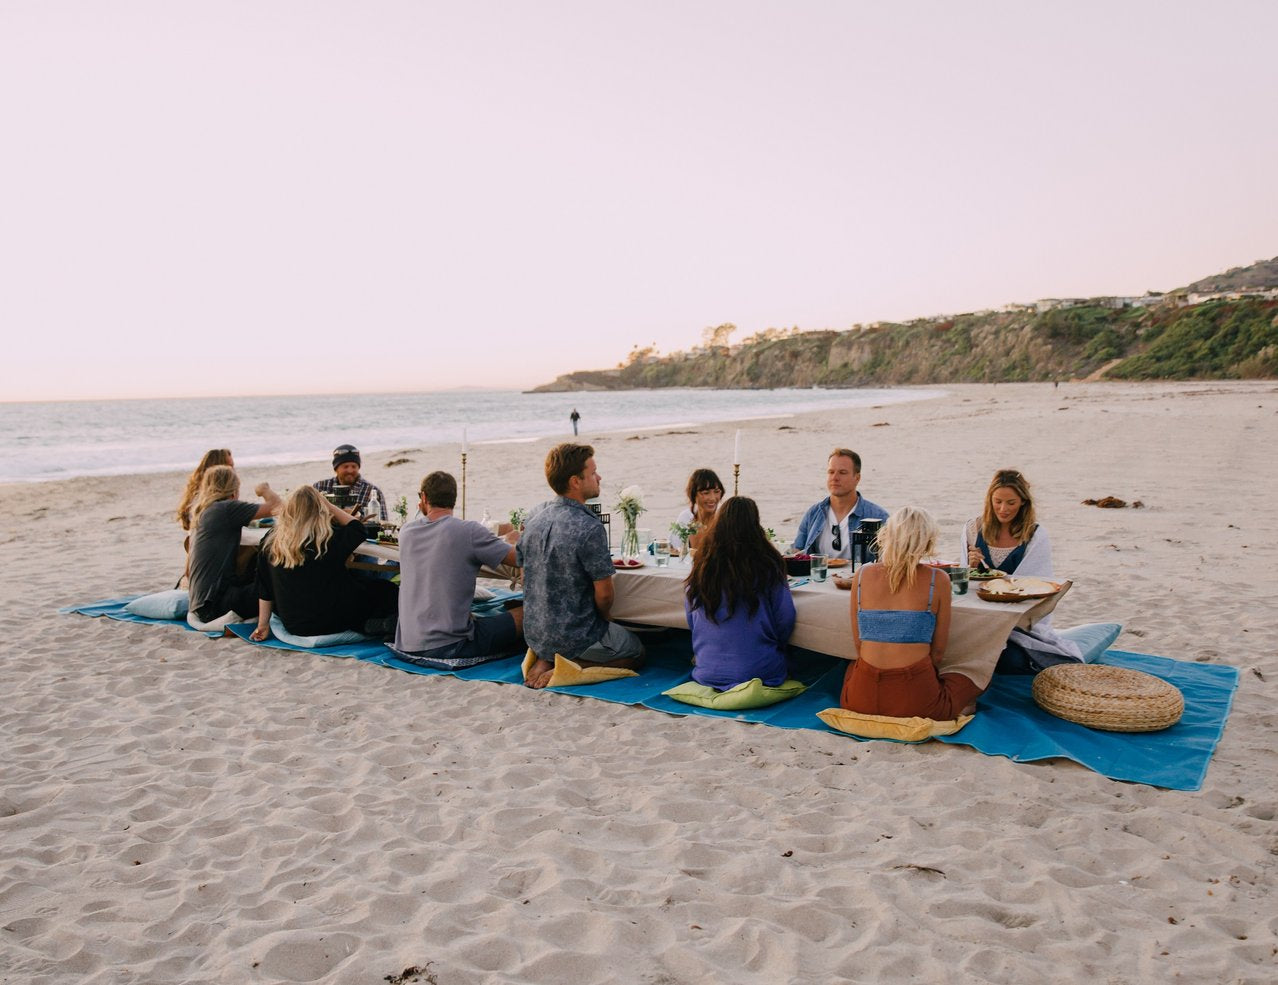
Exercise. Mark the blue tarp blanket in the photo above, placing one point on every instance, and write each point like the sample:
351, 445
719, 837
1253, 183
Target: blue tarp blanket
1007, 722
114, 609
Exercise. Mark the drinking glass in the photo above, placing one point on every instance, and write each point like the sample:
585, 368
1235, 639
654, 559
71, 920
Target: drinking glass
958, 579
661, 550
645, 541
820, 564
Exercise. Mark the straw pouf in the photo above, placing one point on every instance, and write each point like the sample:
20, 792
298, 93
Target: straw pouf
1111, 698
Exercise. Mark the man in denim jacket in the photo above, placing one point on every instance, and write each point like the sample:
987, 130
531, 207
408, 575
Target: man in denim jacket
826, 528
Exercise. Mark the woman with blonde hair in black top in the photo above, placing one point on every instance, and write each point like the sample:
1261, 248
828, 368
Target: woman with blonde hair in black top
302, 574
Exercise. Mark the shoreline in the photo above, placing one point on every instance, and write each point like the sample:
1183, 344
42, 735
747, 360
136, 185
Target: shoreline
184, 809
297, 439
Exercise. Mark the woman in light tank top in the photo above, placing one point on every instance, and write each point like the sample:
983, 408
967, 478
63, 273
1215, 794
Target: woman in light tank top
1007, 529
1007, 537
900, 625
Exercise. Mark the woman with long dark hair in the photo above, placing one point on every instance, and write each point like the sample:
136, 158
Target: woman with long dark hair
738, 602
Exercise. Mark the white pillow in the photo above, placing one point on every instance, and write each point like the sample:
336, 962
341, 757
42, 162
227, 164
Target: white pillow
162, 605
309, 642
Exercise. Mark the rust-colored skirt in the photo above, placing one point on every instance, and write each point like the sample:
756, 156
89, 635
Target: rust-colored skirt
906, 692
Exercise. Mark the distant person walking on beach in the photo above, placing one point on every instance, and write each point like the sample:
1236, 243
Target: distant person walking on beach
574, 417
568, 573
346, 463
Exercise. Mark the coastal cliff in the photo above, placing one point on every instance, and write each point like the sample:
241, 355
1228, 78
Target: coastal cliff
1223, 327
1218, 339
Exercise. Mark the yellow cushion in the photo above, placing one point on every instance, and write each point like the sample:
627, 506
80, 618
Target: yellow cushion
752, 694
884, 727
569, 673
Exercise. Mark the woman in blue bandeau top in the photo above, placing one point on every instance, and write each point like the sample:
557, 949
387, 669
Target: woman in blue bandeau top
900, 625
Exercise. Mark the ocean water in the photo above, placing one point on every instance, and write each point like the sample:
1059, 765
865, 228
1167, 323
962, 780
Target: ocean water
60, 440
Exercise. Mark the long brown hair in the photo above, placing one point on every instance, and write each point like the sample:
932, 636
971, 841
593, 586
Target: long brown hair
1023, 524
220, 482
214, 456
736, 565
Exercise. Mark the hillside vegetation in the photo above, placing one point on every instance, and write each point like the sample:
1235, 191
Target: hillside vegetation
1220, 339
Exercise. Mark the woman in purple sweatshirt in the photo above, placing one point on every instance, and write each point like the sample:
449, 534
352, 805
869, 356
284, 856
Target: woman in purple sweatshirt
738, 602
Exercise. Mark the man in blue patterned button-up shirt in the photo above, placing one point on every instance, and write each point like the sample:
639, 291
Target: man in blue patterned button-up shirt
568, 575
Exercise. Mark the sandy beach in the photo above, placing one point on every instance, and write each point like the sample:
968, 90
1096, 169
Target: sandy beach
180, 809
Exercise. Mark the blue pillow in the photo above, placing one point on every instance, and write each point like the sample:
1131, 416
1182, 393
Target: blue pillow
1093, 638
161, 605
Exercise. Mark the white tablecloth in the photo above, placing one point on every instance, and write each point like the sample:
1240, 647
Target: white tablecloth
653, 596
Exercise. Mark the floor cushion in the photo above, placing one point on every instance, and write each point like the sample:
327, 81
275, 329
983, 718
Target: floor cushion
1093, 638
886, 727
750, 694
162, 605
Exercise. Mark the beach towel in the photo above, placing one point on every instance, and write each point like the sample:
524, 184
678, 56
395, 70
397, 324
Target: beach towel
1007, 722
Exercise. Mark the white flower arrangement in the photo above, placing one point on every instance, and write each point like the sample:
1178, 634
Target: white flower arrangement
630, 503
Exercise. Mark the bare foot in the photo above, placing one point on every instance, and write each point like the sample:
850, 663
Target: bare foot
539, 674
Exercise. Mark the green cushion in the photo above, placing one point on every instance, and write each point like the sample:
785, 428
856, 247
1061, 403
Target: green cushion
752, 694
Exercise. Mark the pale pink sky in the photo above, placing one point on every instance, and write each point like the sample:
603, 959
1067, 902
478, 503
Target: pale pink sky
250, 197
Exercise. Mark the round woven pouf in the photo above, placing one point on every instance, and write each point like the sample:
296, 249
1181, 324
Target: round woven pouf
1111, 698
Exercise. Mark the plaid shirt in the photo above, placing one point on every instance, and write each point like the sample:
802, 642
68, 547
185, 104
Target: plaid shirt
362, 490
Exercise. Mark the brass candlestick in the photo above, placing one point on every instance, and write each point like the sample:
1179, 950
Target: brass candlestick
736, 477
463, 484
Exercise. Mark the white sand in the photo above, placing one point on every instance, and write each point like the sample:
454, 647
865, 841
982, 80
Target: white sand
179, 809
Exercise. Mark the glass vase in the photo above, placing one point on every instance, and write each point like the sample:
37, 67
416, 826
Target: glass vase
630, 539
